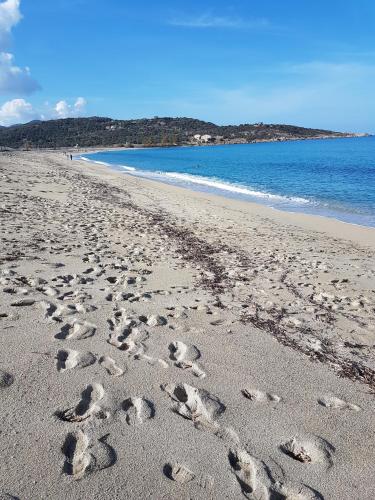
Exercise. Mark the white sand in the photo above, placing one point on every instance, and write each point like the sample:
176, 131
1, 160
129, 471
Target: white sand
160, 343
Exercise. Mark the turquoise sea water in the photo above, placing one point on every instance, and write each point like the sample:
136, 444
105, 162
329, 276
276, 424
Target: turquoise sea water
332, 177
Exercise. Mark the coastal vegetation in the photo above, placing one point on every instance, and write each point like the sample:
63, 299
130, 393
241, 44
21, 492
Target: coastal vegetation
106, 132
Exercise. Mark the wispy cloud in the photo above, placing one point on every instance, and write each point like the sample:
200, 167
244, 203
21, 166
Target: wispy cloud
208, 20
328, 69
322, 94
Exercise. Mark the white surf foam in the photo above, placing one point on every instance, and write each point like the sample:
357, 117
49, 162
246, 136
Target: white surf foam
102, 163
214, 183
94, 161
234, 188
131, 169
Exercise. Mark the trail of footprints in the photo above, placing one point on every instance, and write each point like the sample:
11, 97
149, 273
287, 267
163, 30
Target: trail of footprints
83, 451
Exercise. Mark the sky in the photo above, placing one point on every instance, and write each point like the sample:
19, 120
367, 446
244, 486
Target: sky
307, 63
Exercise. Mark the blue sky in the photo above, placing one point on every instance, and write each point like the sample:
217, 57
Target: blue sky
299, 62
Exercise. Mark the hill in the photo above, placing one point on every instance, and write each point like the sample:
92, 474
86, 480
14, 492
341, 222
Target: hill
97, 131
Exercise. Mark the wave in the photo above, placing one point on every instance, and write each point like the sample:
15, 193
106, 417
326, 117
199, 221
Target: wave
235, 188
131, 169
211, 182
93, 161
90, 160
223, 186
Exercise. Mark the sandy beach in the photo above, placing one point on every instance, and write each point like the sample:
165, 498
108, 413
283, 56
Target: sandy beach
162, 343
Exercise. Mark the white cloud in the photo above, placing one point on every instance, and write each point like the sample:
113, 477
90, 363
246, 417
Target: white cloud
80, 103
17, 111
21, 111
211, 21
10, 15
13, 79
65, 110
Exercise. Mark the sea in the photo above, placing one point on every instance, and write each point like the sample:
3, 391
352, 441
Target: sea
328, 177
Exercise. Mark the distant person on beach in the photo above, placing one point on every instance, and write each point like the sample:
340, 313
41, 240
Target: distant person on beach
71, 157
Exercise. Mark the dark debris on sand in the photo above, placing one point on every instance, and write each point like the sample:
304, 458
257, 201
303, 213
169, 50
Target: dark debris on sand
215, 278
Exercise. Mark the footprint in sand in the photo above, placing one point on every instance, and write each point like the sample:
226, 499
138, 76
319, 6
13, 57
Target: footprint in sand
121, 320
77, 456
181, 474
178, 351
291, 491
154, 320
6, 379
228, 435
84, 308
23, 303
217, 322
92, 258
131, 297
260, 397
110, 366
49, 310
197, 405
113, 280
48, 290
335, 403
78, 330
184, 357
104, 454
13, 291
128, 340
93, 270
67, 359
88, 406
309, 450
206, 482
137, 410
72, 280
178, 472
257, 483
149, 359
71, 309
125, 334
245, 470
84, 456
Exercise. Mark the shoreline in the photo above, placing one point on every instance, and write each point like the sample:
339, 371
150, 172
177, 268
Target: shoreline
256, 205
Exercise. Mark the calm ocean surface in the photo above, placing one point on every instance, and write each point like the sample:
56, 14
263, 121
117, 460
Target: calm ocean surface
333, 177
